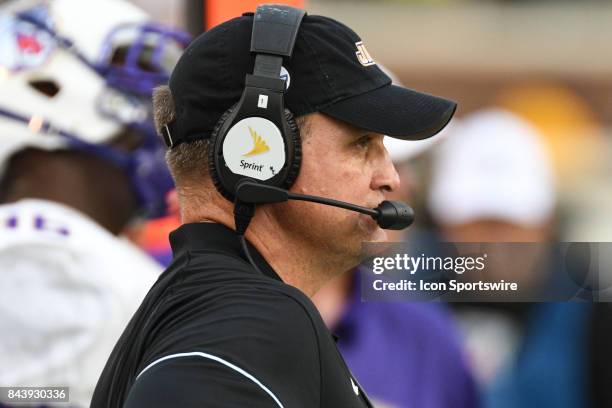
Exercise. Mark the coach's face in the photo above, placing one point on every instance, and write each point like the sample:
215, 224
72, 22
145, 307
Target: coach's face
345, 163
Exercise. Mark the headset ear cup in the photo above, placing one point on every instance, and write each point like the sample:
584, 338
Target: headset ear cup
293, 133
212, 152
294, 155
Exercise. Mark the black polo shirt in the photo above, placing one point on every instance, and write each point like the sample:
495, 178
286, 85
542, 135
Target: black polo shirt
213, 332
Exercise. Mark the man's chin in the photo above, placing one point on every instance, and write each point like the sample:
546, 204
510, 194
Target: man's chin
379, 236
370, 229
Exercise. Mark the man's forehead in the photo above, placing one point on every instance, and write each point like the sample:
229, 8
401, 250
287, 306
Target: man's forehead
319, 122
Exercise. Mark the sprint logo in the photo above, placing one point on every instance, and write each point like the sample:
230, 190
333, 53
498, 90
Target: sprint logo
260, 156
259, 144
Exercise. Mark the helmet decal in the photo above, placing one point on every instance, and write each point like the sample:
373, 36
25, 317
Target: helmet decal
23, 44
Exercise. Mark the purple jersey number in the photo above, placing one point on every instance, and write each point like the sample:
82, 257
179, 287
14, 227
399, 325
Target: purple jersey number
39, 223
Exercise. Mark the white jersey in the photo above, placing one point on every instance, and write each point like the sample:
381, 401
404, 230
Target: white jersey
68, 288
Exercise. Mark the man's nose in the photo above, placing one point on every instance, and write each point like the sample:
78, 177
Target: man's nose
385, 177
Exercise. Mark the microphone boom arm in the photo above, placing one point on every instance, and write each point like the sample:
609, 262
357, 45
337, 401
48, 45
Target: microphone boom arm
389, 214
335, 203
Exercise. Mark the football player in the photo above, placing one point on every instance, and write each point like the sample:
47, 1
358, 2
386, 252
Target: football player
79, 162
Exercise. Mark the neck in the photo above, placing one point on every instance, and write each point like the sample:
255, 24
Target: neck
297, 263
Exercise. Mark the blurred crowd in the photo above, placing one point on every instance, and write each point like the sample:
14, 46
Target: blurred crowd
86, 205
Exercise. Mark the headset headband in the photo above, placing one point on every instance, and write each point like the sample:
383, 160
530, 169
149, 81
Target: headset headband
275, 29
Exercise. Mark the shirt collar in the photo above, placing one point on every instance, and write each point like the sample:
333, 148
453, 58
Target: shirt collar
215, 237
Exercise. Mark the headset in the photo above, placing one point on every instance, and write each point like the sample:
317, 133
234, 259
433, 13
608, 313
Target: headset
260, 113
240, 170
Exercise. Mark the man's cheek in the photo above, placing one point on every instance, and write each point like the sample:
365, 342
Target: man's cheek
353, 185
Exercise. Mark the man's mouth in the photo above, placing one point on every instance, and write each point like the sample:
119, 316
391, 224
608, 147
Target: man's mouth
367, 223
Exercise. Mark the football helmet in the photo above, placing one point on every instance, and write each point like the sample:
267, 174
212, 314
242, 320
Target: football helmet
76, 74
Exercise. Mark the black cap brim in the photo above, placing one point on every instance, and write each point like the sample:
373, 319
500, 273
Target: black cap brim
395, 111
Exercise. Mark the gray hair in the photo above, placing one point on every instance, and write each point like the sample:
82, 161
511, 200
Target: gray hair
188, 161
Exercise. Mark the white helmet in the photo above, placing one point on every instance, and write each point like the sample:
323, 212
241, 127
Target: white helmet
74, 74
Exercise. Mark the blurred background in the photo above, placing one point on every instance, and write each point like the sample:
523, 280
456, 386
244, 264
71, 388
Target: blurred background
533, 82
548, 61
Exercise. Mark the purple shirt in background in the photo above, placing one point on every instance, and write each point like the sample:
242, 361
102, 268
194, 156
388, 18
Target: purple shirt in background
406, 354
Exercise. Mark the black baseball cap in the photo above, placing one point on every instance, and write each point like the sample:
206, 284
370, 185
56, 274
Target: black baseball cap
330, 71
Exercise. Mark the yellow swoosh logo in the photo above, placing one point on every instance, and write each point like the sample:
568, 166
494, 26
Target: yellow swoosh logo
259, 144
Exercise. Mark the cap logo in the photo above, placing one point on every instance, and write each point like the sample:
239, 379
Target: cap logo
259, 144
363, 55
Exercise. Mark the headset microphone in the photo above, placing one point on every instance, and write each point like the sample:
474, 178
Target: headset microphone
393, 215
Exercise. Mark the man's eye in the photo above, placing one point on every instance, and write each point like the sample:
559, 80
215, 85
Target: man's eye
364, 141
